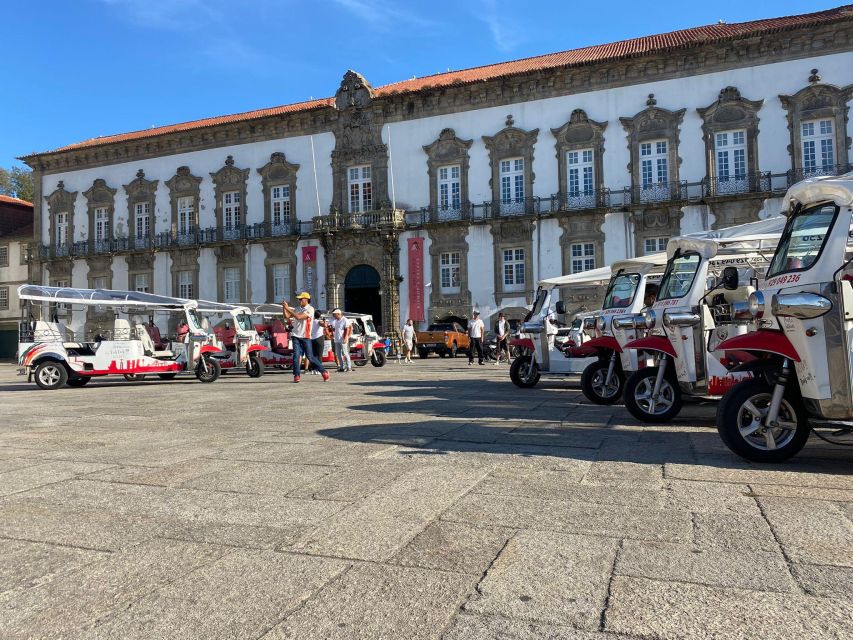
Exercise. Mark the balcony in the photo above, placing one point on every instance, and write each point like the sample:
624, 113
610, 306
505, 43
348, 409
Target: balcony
377, 219
719, 187
796, 175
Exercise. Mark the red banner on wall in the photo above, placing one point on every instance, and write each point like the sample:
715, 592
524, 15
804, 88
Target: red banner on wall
416, 279
309, 272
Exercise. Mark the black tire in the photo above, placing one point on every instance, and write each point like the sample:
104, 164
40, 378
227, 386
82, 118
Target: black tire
643, 381
524, 380
441, 354
79, 381
254, 367
592, 383
454, 350
134, 377
51, 374
379, 358
732, 414
213, 371
423, 353
167, 376
360, 363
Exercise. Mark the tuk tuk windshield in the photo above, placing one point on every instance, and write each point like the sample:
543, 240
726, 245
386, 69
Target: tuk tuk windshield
803, 239
369, 326
244, 321
195, 323
679, 275
541, 296
621, 291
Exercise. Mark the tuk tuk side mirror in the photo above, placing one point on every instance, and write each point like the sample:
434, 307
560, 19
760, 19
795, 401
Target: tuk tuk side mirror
730, 278
559, 307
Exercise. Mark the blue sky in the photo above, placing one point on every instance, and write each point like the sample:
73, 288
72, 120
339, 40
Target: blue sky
83, 68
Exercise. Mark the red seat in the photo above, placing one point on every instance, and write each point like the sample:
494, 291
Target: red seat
228, 337
279, 337
154, 333
183, 330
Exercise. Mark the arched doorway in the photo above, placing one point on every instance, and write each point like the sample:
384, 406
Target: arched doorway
361, 292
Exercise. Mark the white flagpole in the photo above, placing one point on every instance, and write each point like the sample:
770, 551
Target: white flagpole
314, 165
391, 170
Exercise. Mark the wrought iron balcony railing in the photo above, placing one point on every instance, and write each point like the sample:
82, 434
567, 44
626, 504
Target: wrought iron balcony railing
379, 218
802, 173
737, 184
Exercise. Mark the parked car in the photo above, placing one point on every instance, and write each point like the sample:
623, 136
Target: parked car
445, 339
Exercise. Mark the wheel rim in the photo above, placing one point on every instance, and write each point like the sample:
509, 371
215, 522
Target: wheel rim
750, 423
526, 371
650, 405
50, 375
604, 390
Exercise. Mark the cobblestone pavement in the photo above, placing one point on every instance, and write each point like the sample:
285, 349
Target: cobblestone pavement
432, 500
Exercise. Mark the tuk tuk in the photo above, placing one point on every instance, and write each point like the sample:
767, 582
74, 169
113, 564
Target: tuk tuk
685, 325
46, 355
273, 331
800, 353
235, 335
366, 345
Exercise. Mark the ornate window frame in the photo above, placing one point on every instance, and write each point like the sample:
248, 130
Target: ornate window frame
731, 111
183, 185
61, 201
511, 234
448, 149
447, 239
278, 172
140, 263
281, 251
580, 132
98, 196
581, 228
140, 190
510, 142
653, 123
818, 100
185, 260
229, 178
230, 256
655, 222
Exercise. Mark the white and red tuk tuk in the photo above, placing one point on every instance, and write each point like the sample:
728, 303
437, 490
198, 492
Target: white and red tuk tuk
802, 351
235, 334
366, 345
273, 331
684, 326
46, 355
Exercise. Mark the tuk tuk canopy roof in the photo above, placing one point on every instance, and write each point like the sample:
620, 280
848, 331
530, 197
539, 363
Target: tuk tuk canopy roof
837, 189
100, 297
208, 306
601, 275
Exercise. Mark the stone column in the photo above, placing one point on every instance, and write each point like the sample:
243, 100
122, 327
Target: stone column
391, 284
332, 294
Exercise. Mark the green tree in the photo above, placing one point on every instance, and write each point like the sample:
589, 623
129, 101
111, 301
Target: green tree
17, 182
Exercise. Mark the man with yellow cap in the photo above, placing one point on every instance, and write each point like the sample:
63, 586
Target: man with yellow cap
300, 334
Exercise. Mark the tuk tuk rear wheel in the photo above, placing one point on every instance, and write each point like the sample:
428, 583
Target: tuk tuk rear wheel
134, 377
638, 401
593, 387
378, 359
51, 375
741, 424
523, 374
79, 381
254, 367
212, 373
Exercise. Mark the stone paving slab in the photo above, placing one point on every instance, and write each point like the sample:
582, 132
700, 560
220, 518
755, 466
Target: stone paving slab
477, 627
451, 546
825, 581
25, 564
47, 473
811, 531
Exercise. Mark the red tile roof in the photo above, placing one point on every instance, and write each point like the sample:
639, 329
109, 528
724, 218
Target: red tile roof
11, 200
624, 49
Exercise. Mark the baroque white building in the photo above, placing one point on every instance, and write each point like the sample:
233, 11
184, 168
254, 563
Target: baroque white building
433, 196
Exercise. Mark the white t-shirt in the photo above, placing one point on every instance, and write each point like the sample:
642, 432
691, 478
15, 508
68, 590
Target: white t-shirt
317, 330
503, 328
302, 328
340, 326
475, 328
408, 333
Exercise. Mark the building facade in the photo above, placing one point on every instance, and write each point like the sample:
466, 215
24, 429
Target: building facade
16, 236
430, 197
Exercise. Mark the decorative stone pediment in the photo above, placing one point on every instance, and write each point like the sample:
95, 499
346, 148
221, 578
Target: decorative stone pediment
230, 253
140, 262
510, 231
653, 123
511, 141
354, 92
185, 258
448, 149
61, 201
230, 177
730, 111
99, 194
655, 222
183, 183
278, 169
140, 189
580, 132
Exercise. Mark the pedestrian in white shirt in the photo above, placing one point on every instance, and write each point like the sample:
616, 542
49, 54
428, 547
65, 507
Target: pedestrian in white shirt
476, 329
502, 329
342, 328
410, 337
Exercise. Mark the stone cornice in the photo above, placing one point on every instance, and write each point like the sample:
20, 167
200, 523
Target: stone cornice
788, 44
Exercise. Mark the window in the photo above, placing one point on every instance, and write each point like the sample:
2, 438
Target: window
61, 238
99, 282
142, 218
280, 203
186, 215
449, 188
512, 185
654, 163
102, 225
141, 283
280, 282
232, 211
818, 149
654, 245
185, 284
449, 270
360, 189
514, 276
583, 257
61, 307
4, 298
231, 284
4, 256
581, 176
730, 147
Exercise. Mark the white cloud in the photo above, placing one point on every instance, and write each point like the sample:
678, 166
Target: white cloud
505, 29
383, 16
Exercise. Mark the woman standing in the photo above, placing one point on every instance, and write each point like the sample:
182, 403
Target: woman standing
410, 338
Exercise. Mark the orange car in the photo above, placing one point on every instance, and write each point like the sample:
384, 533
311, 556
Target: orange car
446, 338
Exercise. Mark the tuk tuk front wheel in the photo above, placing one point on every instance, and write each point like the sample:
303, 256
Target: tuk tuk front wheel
212, 372
741, 423
254, 367
378, 358
51, 375
134, 377
639, 401
524, 372
593, 383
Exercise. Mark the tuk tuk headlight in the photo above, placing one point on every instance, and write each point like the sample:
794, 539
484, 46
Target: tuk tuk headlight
741, 310
623, 322
804, 305
589, 323
650, 318
756, 304
601, 323
680, 319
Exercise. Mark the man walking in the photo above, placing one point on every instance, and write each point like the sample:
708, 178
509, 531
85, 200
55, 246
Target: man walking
502, 333
410, 338
476, 329
342, 331
300, 334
